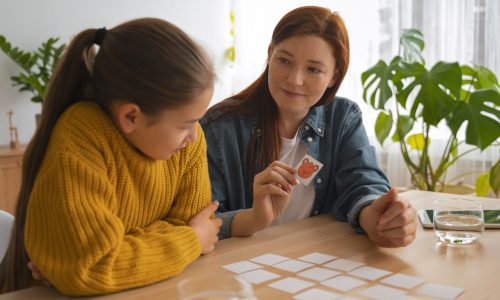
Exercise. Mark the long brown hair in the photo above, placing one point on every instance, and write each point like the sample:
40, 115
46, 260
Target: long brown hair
257, 99
149, 62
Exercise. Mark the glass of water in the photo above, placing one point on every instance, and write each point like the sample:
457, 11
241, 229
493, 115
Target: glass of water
215, 287
458, 221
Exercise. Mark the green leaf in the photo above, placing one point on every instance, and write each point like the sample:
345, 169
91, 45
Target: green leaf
416, 141
376, 82
404, 125
482, 184
483, 126
495, 178
383, 126
412, 43
437, 89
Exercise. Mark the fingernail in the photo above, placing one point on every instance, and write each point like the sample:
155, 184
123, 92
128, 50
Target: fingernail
297, 181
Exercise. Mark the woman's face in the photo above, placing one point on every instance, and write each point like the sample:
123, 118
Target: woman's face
301, 68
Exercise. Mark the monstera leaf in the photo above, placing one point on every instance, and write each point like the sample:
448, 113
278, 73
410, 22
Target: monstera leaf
412, 43
376, 81
483, 126
437, 89
383, 126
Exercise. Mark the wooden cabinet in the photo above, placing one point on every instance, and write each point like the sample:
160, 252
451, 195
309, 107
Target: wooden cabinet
10, 178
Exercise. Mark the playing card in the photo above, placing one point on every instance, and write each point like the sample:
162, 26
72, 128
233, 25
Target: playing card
319, 274
242, 266
258, 276
440, 291
343, 264
382, 292
269, 259
291, 285
369, 273
307, 169
403, 280
316, 294
317, 258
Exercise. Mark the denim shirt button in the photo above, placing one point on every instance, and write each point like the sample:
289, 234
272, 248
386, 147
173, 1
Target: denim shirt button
306, 127
319, 129
310, 139
318, 180
315, 212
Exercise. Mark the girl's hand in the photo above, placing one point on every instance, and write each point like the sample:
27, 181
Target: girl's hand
36, 274
271, 192
206, 227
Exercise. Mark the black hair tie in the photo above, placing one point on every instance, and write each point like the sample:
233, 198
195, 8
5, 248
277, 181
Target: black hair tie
99, 35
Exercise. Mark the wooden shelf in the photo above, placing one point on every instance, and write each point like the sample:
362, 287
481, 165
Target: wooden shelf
10, 177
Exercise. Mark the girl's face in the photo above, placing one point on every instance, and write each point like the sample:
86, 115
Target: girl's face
166, 133
301, 68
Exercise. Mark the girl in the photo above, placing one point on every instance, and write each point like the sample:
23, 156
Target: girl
256, 138
115, 190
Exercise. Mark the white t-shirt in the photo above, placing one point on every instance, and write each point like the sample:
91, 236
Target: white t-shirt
302, 198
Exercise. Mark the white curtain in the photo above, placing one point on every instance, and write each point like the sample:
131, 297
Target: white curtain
454, 30
466, 31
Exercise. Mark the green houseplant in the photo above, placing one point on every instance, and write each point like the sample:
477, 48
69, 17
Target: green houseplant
36, 66
412, 100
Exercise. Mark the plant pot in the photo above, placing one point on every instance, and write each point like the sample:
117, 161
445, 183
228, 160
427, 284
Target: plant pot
459, 189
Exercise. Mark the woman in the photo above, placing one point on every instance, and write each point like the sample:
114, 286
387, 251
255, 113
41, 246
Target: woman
115, 191
257, 138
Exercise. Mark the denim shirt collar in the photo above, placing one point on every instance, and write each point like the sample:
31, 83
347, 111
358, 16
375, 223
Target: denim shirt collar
315, 119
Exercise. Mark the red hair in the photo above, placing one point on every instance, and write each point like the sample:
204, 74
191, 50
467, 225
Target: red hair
256, 98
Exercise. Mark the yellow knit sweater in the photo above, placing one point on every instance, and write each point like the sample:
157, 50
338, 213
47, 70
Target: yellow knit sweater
103, 217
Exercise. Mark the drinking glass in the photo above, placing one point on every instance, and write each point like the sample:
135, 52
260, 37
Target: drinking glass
458, 221
215, 287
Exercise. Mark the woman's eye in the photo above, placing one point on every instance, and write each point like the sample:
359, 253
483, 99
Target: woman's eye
284, 61
314, 70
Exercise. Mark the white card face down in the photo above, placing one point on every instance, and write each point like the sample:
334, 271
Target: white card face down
316, 294
269, 259
344, 264
293, 265
381, 292
369, 273
291, 285
343, 283
258, 276
241, 266
307, 169
403, 280
317, 258
440, 291
319, 274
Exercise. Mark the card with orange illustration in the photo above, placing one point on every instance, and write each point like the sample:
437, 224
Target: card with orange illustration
307, 169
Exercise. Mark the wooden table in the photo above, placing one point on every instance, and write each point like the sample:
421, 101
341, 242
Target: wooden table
473, 267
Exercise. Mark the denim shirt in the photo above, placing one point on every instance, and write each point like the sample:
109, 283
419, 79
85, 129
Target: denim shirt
334, 134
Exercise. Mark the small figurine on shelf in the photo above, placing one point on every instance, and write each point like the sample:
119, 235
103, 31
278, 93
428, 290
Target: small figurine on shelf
14, 140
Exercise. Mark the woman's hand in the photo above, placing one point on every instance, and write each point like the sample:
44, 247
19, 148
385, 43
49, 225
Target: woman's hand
390, 221
206, 227
271, 192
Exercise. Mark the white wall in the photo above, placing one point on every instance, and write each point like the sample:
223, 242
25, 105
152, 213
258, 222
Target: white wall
27, 23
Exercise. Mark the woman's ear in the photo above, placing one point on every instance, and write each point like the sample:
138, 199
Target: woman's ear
127, 116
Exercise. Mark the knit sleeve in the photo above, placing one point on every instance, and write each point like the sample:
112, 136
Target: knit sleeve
194, 189
78, 242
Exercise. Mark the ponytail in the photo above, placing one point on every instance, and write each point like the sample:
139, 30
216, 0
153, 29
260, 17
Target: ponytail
69, 84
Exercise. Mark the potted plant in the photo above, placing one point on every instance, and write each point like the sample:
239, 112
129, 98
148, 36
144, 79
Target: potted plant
36, 66
413, 100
